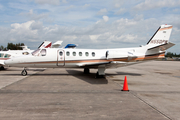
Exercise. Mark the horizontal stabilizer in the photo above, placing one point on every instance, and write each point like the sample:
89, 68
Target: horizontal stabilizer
162, 47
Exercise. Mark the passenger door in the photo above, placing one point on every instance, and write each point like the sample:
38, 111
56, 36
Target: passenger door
60, 58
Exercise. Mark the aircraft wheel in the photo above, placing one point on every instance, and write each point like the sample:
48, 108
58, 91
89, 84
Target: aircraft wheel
2, 68
99, 76
24, 73
86, 70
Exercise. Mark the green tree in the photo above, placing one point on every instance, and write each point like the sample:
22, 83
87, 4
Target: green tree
169, 54
3, 48
12, 46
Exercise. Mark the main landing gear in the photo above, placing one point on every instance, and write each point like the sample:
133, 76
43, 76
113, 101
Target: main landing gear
99, 76
24, 72
100, 73
86, 71
2, 68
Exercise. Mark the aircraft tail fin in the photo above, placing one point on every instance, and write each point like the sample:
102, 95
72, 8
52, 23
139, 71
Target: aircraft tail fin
45, 44
161, 36
159, 42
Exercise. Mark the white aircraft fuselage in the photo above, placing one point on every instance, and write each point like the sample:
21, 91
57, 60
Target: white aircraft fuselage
53, 57
5, 55
97, 58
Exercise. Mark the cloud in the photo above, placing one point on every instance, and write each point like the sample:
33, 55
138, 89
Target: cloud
69, 7
118, 3
51, 2
86, 5
64, 1
35, 16
116, 23
154, 4
23, 30
102, 11
120, 11
105, 18
36, 25
121, 31
94, 37
1, 7
127, 38
31, 11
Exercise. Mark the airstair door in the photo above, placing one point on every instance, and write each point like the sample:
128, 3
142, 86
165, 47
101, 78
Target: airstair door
60, 58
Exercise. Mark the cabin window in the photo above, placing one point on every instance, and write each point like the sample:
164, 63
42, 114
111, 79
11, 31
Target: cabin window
93, 54
86, 53
74, 53
43, 52
80, 53
67, 53
61, 53
25, 53
1, 54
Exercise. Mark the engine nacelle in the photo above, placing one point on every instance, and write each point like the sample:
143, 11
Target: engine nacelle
116, 54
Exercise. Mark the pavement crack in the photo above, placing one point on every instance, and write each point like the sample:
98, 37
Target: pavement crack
153, 107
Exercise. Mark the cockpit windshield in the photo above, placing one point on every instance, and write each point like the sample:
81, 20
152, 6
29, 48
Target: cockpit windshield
7, 56
39, 52
35, 53
2, 55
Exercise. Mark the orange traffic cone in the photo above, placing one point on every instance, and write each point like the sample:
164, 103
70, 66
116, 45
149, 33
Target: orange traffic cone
125, 87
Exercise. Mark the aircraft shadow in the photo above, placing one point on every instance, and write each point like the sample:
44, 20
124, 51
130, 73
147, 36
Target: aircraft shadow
125, 73
90, 78
10, 74
6, 69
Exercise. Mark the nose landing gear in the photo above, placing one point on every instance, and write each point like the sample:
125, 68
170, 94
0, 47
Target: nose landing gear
24, 72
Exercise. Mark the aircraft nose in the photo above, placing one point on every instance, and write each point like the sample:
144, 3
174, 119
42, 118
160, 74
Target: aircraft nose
8, 62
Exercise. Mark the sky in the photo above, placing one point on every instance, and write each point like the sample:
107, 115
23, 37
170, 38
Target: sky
88, 23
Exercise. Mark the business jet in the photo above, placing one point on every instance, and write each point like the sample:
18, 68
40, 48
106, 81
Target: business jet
100, 59
5, 55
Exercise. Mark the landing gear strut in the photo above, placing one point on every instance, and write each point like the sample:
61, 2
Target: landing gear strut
24, 72
100, 73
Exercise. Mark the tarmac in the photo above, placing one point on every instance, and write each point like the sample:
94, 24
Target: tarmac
69, 94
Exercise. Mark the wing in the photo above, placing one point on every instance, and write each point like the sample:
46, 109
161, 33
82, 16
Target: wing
93, 65
109, 64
